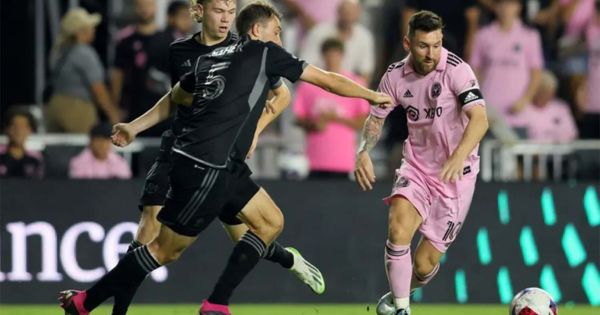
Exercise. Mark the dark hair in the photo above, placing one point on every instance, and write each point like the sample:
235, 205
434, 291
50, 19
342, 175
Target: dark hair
332, 43
15, 112
175, 7
255, 12
426, 21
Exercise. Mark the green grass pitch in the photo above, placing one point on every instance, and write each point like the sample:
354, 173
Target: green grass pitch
295, 309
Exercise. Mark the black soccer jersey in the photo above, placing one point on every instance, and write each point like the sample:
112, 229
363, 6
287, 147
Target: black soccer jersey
230, 86
183, 53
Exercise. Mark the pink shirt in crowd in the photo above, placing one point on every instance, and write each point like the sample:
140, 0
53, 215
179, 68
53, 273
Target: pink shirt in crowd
85, 165
581, 17
320, 10
334, 148
505, 61
435, 110
593, 84
552, 123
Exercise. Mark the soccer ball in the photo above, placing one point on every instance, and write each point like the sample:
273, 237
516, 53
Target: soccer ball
386, 306
533, 301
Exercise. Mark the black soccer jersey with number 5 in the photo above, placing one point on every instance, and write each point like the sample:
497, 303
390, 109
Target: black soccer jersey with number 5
230, 86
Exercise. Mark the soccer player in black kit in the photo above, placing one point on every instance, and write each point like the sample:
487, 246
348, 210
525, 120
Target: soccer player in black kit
226, 93
216, 16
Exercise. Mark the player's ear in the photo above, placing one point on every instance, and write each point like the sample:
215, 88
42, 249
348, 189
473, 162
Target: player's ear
406, 43
256, 30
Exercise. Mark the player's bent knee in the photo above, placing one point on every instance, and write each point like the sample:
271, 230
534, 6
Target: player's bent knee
423, 266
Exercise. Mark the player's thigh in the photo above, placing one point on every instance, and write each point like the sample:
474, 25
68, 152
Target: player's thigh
262, 216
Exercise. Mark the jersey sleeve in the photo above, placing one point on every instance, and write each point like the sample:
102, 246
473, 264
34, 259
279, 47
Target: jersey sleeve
385, 86
281, 63
465, 86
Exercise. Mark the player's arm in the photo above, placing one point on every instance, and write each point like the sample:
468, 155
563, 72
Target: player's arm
279, 99
123, 134
370, 135
341, 85
474, 132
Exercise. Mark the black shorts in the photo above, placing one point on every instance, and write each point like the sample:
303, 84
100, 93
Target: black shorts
199, 194
156, 185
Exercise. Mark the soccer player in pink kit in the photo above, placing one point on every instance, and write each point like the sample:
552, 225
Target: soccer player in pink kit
434, 186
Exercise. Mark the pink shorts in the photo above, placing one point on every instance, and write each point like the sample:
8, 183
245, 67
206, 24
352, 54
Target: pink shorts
443, 207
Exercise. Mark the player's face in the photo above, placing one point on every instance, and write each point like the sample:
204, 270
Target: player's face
145, 10
100, 147
425, 49
18, 130
270, 31
217, 17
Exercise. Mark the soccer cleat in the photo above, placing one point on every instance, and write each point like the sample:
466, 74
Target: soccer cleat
403, 311
208, 308
306, 272
72, 302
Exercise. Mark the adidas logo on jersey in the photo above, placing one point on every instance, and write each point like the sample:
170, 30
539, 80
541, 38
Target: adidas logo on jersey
471, 96
407, 94
187, 63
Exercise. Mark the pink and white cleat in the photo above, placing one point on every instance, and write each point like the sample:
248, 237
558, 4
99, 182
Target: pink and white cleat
72, 302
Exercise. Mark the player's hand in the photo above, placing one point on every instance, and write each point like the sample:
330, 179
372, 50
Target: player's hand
365, 176
252, 147
452, 170
122, 135
270, 107
382, 100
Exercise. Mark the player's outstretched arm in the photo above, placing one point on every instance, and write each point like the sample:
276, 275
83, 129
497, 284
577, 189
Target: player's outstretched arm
365, 175
123, 134
341, 85
474, 132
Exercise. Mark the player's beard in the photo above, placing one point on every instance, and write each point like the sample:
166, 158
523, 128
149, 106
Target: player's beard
424, 68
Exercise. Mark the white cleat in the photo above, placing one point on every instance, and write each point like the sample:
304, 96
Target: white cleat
306, 272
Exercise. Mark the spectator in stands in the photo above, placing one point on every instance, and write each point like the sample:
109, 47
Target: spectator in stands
461, 19
548, 119
15, 159
140, 74
589, 103
308, 13
507, 57
330, 121
179, 22
77, 78
359, 56
98, 160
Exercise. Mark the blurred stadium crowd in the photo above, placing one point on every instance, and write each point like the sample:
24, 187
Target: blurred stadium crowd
105, 61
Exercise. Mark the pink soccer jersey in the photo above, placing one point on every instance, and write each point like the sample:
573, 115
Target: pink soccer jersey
505, 60
435, 106
593, 92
